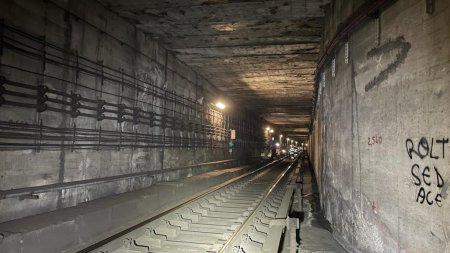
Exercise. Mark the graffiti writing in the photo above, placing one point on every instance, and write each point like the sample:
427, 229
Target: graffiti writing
401, 46
374, 140
424, 149
427, 178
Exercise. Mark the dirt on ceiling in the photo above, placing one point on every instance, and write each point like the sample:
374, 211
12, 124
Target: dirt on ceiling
261, 54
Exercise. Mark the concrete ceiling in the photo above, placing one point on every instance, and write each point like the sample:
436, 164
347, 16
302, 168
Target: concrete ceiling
262, 54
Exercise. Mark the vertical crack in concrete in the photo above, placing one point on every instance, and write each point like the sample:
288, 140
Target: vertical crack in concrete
355, 98
62, 154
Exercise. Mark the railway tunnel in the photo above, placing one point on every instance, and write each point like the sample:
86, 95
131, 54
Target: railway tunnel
224, 126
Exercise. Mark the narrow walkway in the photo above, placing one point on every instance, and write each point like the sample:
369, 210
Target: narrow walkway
315, 230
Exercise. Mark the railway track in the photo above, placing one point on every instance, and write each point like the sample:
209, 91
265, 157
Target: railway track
246, 215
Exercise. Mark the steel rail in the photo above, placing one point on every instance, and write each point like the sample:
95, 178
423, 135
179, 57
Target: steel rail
229, 243
122, 235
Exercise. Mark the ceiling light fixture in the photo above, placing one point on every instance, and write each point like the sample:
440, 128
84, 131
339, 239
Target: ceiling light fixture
220, 105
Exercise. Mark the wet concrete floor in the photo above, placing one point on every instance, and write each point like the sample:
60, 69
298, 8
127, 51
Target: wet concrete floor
315, 231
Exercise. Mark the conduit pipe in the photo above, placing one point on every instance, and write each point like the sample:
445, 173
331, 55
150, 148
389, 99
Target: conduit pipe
362, 14
30, 192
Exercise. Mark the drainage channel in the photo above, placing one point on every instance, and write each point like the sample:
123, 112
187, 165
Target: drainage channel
237, 217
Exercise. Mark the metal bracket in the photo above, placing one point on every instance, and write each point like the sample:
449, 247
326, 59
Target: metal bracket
135, 115
429, 6
100, 110
41, 98
347, 52
120, 113
74, 105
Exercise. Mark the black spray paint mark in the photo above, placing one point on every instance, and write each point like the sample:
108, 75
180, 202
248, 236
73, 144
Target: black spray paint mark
426, 193
398, 44
424, 149
432, 188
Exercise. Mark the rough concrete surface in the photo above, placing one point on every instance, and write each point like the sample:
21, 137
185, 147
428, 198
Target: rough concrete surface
260, 53
379, 140
89, 30
382, 129
71, 229
315, 232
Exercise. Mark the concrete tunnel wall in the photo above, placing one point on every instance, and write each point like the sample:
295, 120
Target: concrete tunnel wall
381, 131
87, 28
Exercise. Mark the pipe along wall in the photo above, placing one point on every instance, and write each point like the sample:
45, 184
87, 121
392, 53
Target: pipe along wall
85, 95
